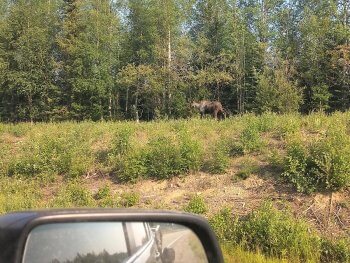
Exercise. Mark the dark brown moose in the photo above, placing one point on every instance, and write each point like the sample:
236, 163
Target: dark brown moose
214, 108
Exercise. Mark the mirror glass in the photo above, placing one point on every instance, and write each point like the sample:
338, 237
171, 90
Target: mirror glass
113, 242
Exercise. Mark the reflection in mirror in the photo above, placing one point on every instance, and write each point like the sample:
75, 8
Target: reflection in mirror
118, 242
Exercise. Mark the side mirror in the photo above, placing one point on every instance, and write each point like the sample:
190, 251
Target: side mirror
106, 235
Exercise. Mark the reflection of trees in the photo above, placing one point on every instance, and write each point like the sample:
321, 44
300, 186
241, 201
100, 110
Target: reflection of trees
103, 257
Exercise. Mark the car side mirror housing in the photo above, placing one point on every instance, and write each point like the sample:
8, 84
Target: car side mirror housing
106, 235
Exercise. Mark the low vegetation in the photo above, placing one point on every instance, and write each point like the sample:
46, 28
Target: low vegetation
322, 163
196, 205
277, 234
51, 165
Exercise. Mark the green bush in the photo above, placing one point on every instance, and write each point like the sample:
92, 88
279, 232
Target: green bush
288, 125
18, 130
73, 194
163, 158
79, 166
131, 168
338, 251
269, 231
121, 143
250, 141
103, 192
166, 157
191, 153
28, 166
224, 225
129, 199
18, 194
275, 158
53, 153
322, 165
105, 197
196, 205
218, 161
247, 168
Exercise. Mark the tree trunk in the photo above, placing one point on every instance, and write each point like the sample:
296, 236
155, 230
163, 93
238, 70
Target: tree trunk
110, 105
101, 110
126, 101
30, 105
137, 118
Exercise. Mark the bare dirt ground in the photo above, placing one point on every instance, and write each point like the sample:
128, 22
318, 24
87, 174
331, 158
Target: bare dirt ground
330, 214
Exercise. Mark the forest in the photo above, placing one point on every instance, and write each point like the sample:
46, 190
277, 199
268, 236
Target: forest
149, 59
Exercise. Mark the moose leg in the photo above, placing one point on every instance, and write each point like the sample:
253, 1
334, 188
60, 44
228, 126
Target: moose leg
215, 115
222, 115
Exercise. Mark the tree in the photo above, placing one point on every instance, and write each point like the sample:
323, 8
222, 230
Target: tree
89, 47
143, 84
320, 98
276, 93
28, 91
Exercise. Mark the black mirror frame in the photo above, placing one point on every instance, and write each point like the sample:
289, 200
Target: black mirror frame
197, 224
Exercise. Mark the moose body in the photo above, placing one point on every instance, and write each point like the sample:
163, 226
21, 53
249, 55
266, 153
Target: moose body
213, 108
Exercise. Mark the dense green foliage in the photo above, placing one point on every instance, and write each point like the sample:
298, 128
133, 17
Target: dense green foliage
278, 234
148, 59
322, 164
314, 157
196, 205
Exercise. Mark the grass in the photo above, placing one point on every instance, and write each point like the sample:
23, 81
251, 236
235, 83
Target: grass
269, 233
45, 165
239, 255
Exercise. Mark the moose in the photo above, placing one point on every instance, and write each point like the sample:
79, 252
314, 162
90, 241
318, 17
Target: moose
210, 107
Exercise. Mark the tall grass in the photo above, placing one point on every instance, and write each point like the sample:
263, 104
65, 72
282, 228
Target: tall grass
313, 152
276, 234
160, 150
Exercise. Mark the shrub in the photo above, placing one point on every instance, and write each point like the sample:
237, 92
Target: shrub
276, 93
196, 205
288, 125
74, 194
53, 153
131, 168
166, 157
121, 143
338, 251
270, 231
103, 192
267, 121
218, 160
275, 158
236, 254
163, 158
18, 194
79, 166
129, 199
191, 153
104, 197
247, 168
18, 130
322, 165
28, 166
250, 141
224, 225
